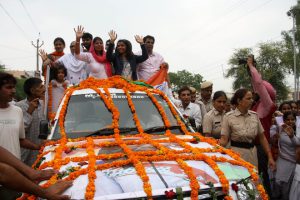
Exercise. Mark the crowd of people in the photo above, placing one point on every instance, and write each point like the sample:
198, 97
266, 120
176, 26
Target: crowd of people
249, 122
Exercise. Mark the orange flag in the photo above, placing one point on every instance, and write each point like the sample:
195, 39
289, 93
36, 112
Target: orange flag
160, 79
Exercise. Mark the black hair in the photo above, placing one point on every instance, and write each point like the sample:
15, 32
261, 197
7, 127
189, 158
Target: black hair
285, 116
282, 104
59, 39
95, 39
218, 94
59, 67
298, 103
291, 102
31, 83
128, 52
184, 88
6, 78
149, 37
238, 95
87, 35
107, 42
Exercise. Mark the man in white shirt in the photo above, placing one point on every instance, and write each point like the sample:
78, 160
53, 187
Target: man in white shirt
188, 109
12, 132
148, 68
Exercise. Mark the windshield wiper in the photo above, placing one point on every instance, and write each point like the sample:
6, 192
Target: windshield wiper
102, 131
110, 131
160, 128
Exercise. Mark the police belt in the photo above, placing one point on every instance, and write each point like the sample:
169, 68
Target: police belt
245, 145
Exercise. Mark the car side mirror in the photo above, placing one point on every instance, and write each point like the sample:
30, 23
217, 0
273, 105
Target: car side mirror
44, 129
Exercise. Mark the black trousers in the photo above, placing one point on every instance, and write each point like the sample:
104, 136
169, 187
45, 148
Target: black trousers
263, 168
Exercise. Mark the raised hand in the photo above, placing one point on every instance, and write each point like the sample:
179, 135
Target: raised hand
43, 55
288, 130
113, 36
250, 61
79, 31
139, 39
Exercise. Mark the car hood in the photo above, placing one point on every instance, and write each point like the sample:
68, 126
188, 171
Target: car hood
123, 182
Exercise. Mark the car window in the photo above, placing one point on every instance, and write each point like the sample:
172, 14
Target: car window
87, 113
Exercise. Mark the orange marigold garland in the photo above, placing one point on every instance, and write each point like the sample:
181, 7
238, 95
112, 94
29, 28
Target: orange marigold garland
137, 158
90, 189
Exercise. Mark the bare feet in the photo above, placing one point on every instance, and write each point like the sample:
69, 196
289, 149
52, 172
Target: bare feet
54, 192
41, 175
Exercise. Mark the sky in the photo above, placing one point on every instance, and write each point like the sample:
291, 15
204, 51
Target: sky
196, 35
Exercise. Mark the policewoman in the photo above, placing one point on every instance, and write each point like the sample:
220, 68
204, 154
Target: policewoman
241, 126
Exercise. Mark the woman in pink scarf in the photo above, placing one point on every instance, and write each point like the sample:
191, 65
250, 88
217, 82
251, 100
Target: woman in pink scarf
98, 66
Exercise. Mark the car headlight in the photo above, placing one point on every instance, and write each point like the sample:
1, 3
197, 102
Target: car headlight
247, 190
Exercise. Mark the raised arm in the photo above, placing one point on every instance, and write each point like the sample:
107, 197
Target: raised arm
258, 86
109, 54
79, 33
144, 56
46, 60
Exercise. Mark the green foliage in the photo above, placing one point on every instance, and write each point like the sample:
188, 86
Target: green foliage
272, 63
2, 68
185, 78
20, 94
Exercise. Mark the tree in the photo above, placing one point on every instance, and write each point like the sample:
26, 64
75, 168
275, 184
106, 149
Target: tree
20, 94
184, 78
270, 63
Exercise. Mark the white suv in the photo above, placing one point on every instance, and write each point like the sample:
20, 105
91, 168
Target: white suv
135, 145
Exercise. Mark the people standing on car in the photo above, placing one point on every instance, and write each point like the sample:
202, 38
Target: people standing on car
97, 64
241, 126
190, 111
59, 46
33, 113
286, 161
12, 132
124, 61
17, 176
264, 106
87, 39
206, 92
76, 69
151, 66
213, 119
59, 85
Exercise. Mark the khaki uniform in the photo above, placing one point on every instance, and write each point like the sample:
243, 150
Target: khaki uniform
242, 128
202, 108
208, 105
212, 123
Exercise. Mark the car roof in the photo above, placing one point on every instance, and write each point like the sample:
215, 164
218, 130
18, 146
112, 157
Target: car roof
112, 90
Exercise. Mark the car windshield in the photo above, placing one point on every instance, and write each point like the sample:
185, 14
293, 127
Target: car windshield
87, 114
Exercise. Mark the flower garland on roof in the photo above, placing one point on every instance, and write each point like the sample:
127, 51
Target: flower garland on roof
137, 158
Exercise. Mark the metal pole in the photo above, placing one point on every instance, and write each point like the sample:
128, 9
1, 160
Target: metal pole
295, 61
37, 46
